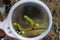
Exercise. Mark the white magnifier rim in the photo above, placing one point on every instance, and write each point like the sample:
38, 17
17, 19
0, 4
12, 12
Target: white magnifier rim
33, 1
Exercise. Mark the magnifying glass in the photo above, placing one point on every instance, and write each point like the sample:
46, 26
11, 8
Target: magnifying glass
28, 20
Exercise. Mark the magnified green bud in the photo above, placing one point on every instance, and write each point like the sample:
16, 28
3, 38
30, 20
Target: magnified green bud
37, 24
22, 32
29, 20
18, 25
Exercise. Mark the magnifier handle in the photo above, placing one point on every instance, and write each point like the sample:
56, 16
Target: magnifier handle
1, 25
4, 27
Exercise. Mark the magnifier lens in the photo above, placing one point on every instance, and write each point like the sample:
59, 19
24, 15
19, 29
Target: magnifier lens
30, 20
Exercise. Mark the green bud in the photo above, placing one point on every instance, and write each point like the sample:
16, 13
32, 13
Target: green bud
29, 20
18, 25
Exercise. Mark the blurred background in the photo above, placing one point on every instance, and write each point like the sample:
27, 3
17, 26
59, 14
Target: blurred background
54, 6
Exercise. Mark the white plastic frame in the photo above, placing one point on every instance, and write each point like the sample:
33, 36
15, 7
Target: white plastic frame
6, 25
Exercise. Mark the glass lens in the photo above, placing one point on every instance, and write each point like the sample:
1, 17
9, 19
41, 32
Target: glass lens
30, 20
